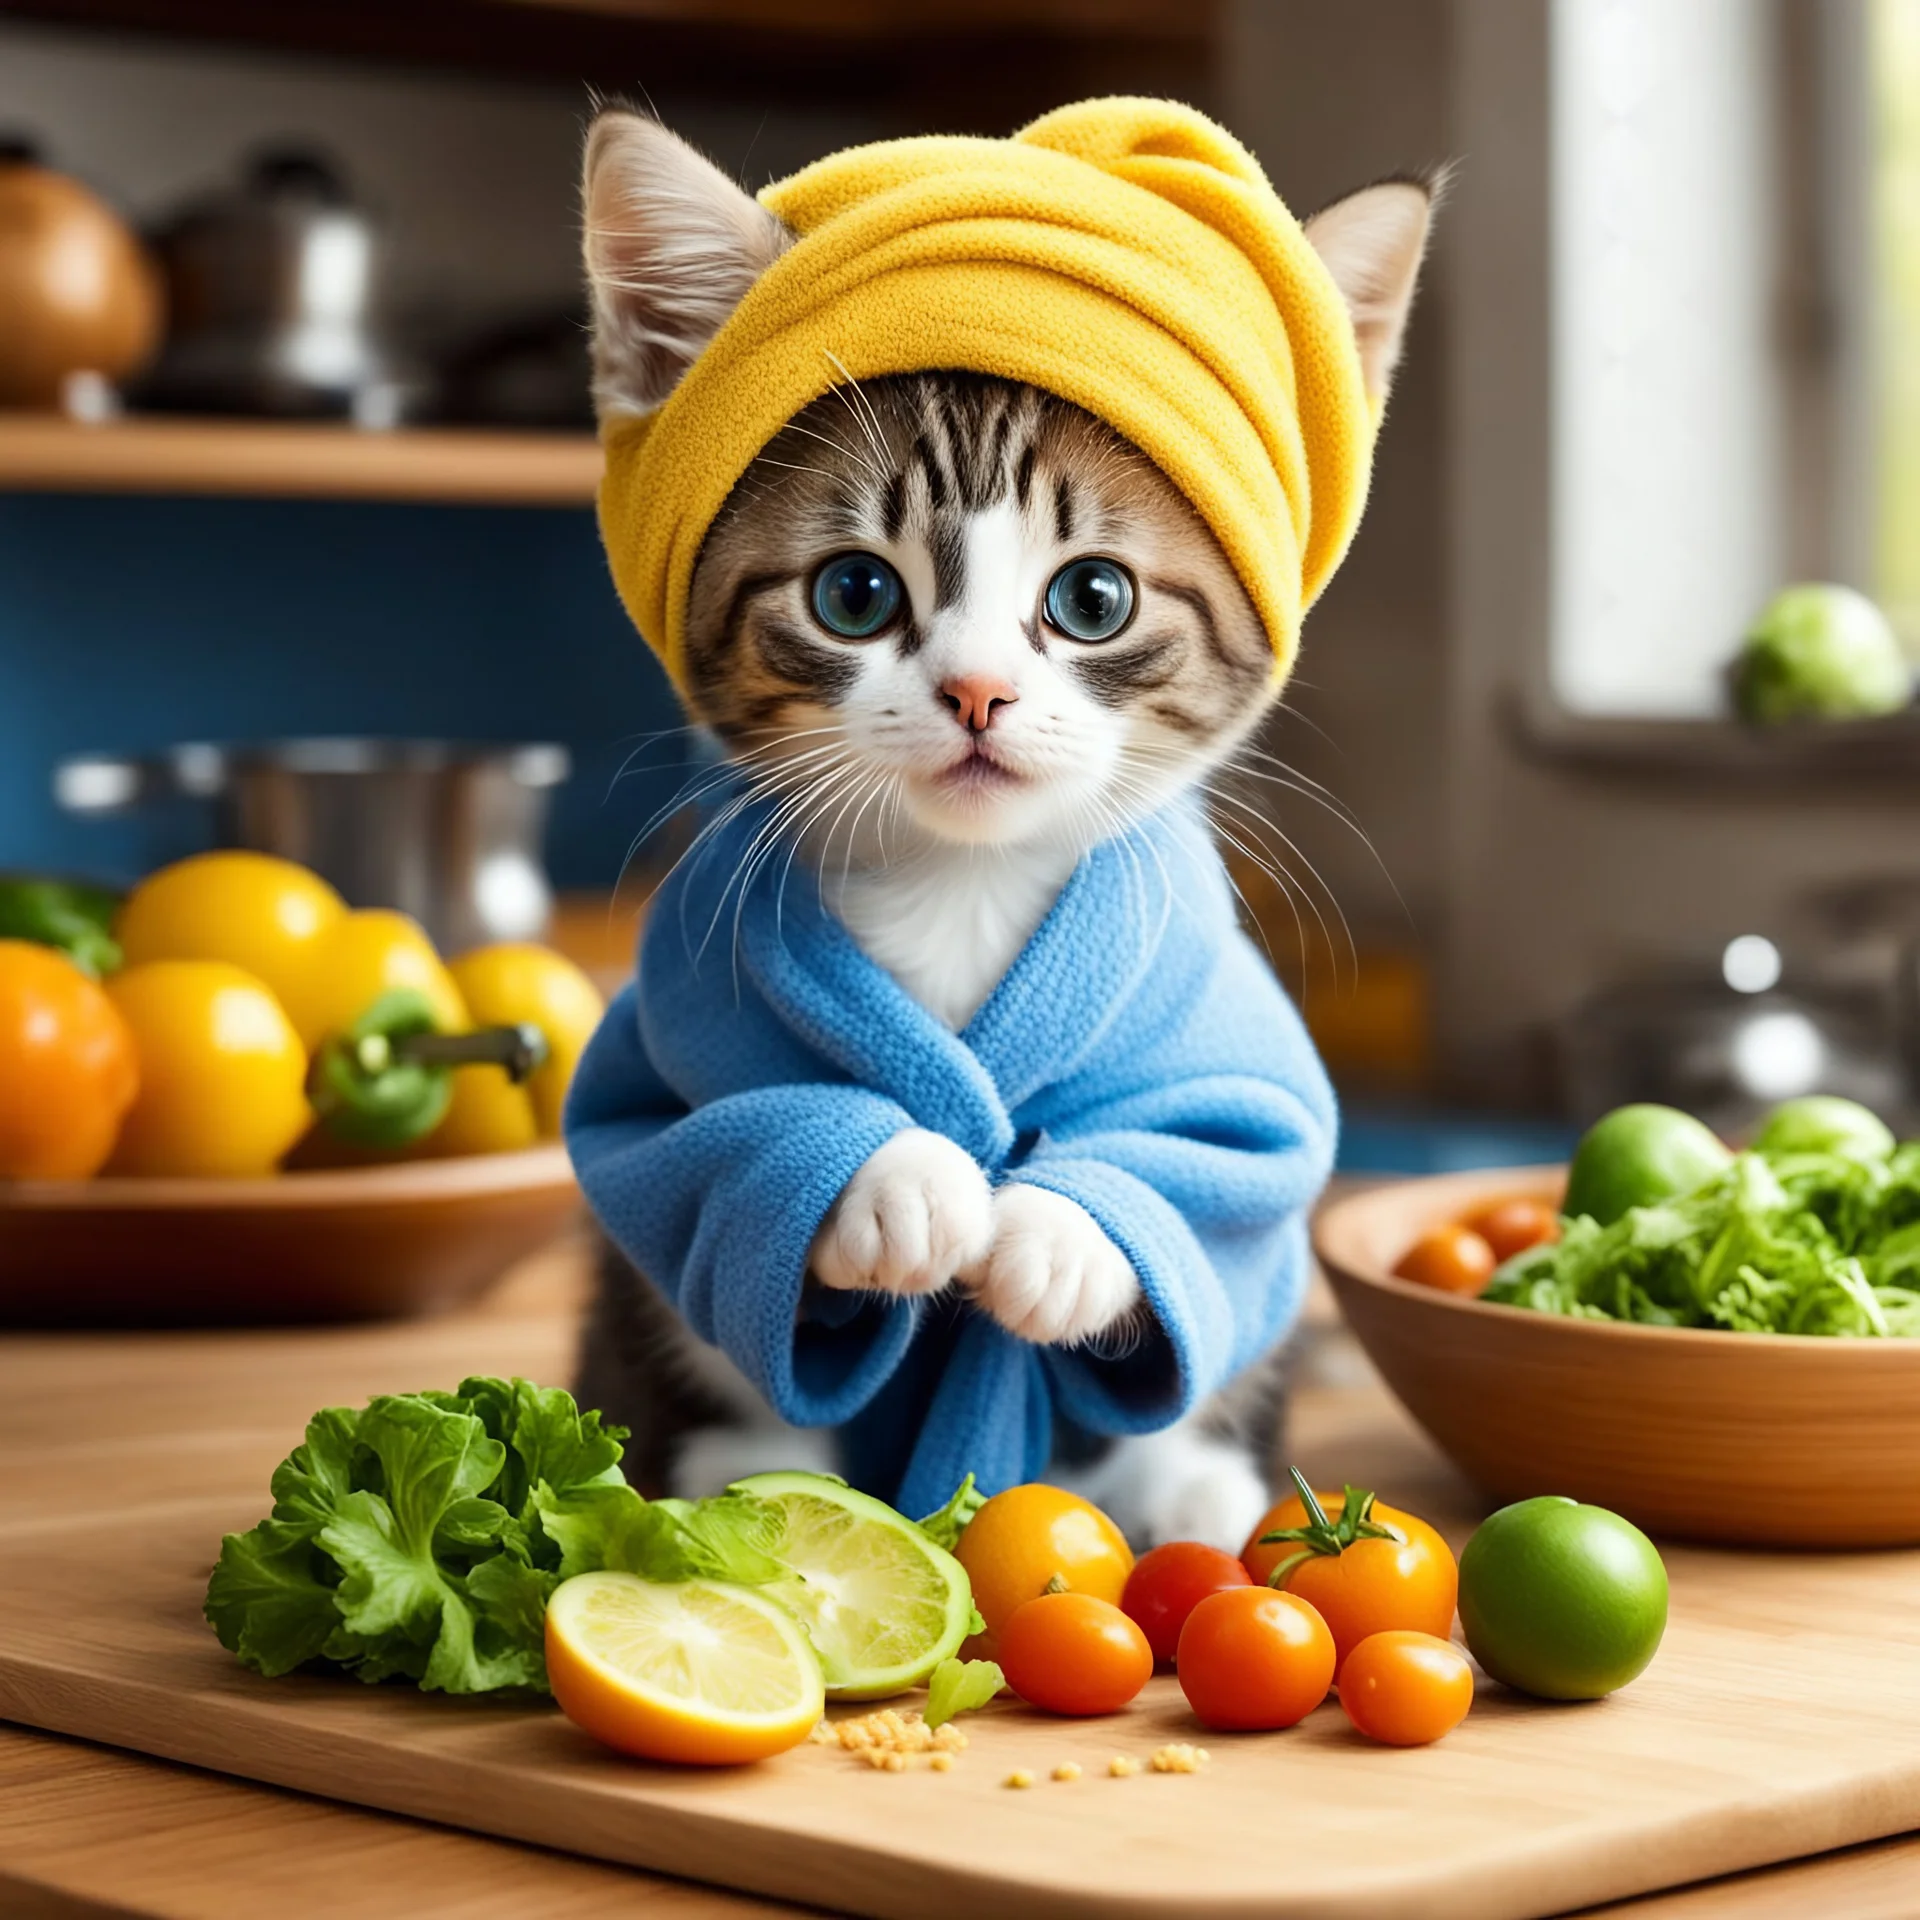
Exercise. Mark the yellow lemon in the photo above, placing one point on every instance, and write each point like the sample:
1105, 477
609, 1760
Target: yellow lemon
696, 1671
222, 1072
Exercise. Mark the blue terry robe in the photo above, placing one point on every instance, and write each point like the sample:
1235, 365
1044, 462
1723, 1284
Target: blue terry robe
1139, 1058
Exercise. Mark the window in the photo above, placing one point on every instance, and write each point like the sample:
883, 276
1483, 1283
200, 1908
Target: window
1669, 410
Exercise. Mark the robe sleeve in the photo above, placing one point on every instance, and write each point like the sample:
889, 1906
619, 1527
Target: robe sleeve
718, 1206
1199, 1153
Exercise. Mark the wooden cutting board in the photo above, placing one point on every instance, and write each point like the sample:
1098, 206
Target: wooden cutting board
1777, 1721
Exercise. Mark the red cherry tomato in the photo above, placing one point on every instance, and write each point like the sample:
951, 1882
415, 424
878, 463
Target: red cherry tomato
1453, 1258
1251, 1658
1073, 1653
1406, 1689
1168, 1583
1512, 1226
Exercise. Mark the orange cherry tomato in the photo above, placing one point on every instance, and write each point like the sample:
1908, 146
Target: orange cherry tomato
1371, 1586
68, 1067
1023, 1539
1406, 1689
1251, 1659
1452, 1257
1512, 1226
1071, 1653
1168, 1583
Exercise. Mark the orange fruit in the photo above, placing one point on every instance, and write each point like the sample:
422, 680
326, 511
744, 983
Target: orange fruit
68, 1067
1024, 1539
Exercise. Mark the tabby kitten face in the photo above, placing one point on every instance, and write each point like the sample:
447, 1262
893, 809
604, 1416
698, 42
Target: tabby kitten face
944, 606
971, 609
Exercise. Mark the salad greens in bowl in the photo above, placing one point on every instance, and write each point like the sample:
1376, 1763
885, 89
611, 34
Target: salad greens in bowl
1719, 1345
1814, 1230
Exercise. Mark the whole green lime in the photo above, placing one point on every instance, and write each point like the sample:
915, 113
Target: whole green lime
1560, 1600
1636, 1156
1824, 1123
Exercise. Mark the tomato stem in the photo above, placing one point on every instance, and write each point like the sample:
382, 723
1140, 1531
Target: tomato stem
1285, 1569
1311, 1500
1328, 1538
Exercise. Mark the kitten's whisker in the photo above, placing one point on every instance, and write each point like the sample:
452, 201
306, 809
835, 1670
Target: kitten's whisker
1280, 880
1294, 780
1268, 859
707, 780
797, 466
876, 787
826, 844
759, 788
849, 779
1260, 826
854, 454
864, 412
765, 835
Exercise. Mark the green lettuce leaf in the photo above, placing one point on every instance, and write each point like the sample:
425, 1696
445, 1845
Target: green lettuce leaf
961, 1686
421, 1536
266, 1599
1800, 1242
731, 1537
405, 1539
945, 1526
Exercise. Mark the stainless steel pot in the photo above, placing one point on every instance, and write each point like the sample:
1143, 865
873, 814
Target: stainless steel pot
272, 303
449, 833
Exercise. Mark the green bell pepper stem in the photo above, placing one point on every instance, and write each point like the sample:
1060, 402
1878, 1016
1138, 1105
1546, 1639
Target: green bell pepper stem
388, 1080
519, 1050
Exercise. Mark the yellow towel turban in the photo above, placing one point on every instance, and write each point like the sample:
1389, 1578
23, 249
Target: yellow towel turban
1127, 255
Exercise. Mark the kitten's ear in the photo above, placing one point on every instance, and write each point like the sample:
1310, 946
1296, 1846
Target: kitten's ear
671, 246
1372, 243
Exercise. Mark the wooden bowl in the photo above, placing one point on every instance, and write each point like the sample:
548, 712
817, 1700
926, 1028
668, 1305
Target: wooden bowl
1767, 1439
361, 1244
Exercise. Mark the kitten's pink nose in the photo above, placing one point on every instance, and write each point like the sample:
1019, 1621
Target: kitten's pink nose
975, 698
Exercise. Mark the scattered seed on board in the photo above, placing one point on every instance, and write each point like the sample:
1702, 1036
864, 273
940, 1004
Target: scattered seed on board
1067, 1770
880, 1738
1179, 1758
941, 1763
1019, 1777
1123, 1766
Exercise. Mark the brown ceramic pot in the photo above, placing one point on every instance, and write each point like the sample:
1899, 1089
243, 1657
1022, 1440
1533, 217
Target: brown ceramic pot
77, 293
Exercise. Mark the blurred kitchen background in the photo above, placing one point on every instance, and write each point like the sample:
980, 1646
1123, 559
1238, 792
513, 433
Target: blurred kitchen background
1667, 360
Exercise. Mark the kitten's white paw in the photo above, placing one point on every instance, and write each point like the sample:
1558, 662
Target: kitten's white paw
1051, 1275
1219, 1506
1177, 1484
917, 1213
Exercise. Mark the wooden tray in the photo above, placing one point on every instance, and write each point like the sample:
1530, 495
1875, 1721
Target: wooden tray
1777, 1721
353, 1244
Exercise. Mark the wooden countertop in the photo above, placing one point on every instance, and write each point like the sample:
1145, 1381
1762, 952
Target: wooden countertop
88, 1831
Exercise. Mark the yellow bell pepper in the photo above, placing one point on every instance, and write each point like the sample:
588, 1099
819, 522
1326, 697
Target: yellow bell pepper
515, 984
361, 956
222, 1072
247, 909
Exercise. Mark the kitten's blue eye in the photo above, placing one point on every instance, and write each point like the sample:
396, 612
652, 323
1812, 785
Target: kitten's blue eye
856, 595
1090, 599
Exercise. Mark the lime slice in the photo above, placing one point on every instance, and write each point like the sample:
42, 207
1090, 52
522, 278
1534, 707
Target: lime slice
881, 1603
696, 1671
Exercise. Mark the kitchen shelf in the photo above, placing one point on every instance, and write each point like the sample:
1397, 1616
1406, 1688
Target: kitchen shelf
44, 453
1721, 753
973, 65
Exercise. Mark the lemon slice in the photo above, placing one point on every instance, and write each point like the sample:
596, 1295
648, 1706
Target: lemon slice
881, 1603
696, 1671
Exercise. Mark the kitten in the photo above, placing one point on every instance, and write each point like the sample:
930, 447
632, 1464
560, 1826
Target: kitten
963, 631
